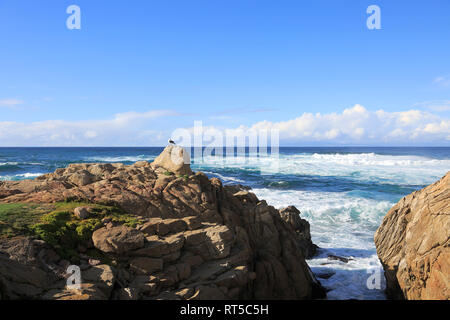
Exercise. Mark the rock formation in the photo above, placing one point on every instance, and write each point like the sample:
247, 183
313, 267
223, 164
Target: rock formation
301, 227
174, 159
191, 238
413, 244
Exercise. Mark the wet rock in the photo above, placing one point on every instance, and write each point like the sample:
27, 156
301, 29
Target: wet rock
325, 275
339, 258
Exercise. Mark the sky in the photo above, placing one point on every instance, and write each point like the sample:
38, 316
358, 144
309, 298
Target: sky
138, 70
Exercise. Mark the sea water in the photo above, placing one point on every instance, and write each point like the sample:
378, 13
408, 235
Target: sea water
343, 192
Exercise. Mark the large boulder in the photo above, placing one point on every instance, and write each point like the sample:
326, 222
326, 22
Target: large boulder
413, 244
118, 240
174, 159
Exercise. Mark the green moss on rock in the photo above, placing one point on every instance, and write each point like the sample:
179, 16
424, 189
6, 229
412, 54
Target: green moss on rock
57, 225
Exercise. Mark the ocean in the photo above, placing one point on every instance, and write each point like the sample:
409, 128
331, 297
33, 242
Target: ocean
344, 192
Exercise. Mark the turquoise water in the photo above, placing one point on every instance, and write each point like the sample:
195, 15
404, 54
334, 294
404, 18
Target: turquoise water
343, 192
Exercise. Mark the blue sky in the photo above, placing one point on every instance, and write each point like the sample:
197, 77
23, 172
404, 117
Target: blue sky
139, 69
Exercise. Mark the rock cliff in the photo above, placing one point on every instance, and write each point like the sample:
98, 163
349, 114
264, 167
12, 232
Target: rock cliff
413, 244
149, 231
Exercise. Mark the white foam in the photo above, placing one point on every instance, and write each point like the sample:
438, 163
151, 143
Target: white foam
30, 175
9, 163
21, 176
368, 167
336, 218
341, 225
350, 280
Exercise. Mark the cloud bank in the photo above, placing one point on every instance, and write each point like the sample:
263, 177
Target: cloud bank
357, 125
124, 129
353, 126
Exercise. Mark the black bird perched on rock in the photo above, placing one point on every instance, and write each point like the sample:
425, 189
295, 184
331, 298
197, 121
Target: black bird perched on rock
171, 141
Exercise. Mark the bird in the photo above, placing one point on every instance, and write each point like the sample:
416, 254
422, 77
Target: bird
171, 141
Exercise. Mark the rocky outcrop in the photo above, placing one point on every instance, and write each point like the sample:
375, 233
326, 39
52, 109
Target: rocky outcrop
413, 244
195, 239
301, 227
174, 159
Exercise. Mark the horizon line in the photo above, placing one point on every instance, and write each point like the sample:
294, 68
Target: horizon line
286, 146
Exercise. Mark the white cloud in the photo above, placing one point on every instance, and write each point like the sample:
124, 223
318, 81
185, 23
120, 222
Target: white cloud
352, 126
443, 81
129, 128
10, 103
435, 105
357, 125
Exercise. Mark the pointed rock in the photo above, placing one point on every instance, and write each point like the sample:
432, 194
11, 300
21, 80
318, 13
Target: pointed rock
174, 159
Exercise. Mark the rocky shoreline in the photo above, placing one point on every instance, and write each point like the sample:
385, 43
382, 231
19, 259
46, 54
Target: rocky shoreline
160, 231
413, 244
150, 231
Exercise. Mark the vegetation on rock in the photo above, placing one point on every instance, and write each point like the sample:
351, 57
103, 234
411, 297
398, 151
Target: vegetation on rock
57, 225
17, 218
